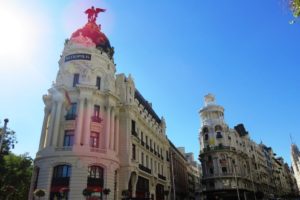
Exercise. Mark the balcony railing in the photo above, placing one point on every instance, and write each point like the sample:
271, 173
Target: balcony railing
61, 181
145, 169
95, 181
162, 177
70, 117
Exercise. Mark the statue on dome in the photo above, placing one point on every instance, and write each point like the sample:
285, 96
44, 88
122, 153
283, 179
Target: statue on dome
93, 13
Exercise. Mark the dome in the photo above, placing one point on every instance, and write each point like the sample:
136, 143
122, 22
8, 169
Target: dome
93, 32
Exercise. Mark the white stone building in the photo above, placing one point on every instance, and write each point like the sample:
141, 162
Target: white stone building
100, 136
233, 165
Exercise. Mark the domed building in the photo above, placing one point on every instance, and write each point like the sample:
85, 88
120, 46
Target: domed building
100, 138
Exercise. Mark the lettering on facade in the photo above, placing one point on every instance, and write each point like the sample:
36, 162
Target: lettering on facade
78, 56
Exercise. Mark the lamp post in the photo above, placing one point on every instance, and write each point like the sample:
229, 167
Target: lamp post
3, 133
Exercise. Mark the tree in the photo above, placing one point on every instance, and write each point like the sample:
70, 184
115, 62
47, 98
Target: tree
15, 170
295, 7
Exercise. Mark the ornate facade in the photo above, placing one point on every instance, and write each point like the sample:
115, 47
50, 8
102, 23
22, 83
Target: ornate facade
100, 137
295, 157
234, 166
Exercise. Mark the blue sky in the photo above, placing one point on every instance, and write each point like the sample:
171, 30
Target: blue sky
246, 53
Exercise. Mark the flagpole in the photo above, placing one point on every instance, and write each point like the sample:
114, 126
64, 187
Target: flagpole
3, 133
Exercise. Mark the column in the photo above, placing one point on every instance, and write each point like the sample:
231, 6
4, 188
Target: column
57, 123
79, 122
45, 124
51, 123
117, 135
107, 126
87, 124
112, 128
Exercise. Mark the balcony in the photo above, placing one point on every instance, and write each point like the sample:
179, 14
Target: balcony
96, 126
145, 169
70, 117
151, 149
162, 177
61, 181
133, 132
143, 143
95, 182
96, 119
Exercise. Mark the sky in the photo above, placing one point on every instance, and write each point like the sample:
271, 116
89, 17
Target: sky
246, 54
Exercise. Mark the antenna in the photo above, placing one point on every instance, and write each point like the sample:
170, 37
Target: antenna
291, 139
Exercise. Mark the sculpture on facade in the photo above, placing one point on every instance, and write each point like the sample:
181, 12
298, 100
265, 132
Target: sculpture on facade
93, 13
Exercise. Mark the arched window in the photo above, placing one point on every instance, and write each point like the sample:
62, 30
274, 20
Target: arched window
218, 130
60, 182
95, 181
205, 130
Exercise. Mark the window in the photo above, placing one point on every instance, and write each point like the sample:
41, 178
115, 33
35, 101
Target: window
36, 177
95, 172
133, 128
211, 170
224, 170
133, 151
94, 140
60, 182
96, 116
147, 161
75, 79
142, 158
62, 171
219, 135
98, 82
205, 130
206, 136
95, 181
71, 114
68, 138
146, 140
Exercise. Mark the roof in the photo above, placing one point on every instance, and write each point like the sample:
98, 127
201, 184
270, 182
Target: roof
146, 105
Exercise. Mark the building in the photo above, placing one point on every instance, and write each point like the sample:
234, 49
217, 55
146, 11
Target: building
193, 174
179, 174
100, 137
295, 157
234, 166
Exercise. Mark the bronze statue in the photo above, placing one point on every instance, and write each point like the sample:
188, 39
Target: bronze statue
93, 13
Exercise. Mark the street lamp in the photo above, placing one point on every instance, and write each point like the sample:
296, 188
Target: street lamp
3, 133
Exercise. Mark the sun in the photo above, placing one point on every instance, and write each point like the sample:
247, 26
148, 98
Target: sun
18, 34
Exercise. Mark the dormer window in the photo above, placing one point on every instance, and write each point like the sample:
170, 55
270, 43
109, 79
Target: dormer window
219, 135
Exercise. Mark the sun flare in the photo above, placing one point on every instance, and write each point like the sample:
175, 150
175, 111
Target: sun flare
18, 35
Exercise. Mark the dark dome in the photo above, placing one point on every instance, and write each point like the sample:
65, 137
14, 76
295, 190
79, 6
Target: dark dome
92, 31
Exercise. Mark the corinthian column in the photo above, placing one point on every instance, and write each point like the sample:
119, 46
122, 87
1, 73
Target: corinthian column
57, 123
51, 124
116, 147
107, 126
45, 124
112, 128
87, 123
79, 122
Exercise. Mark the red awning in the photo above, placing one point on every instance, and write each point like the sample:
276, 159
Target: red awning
94, 188
59, 189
